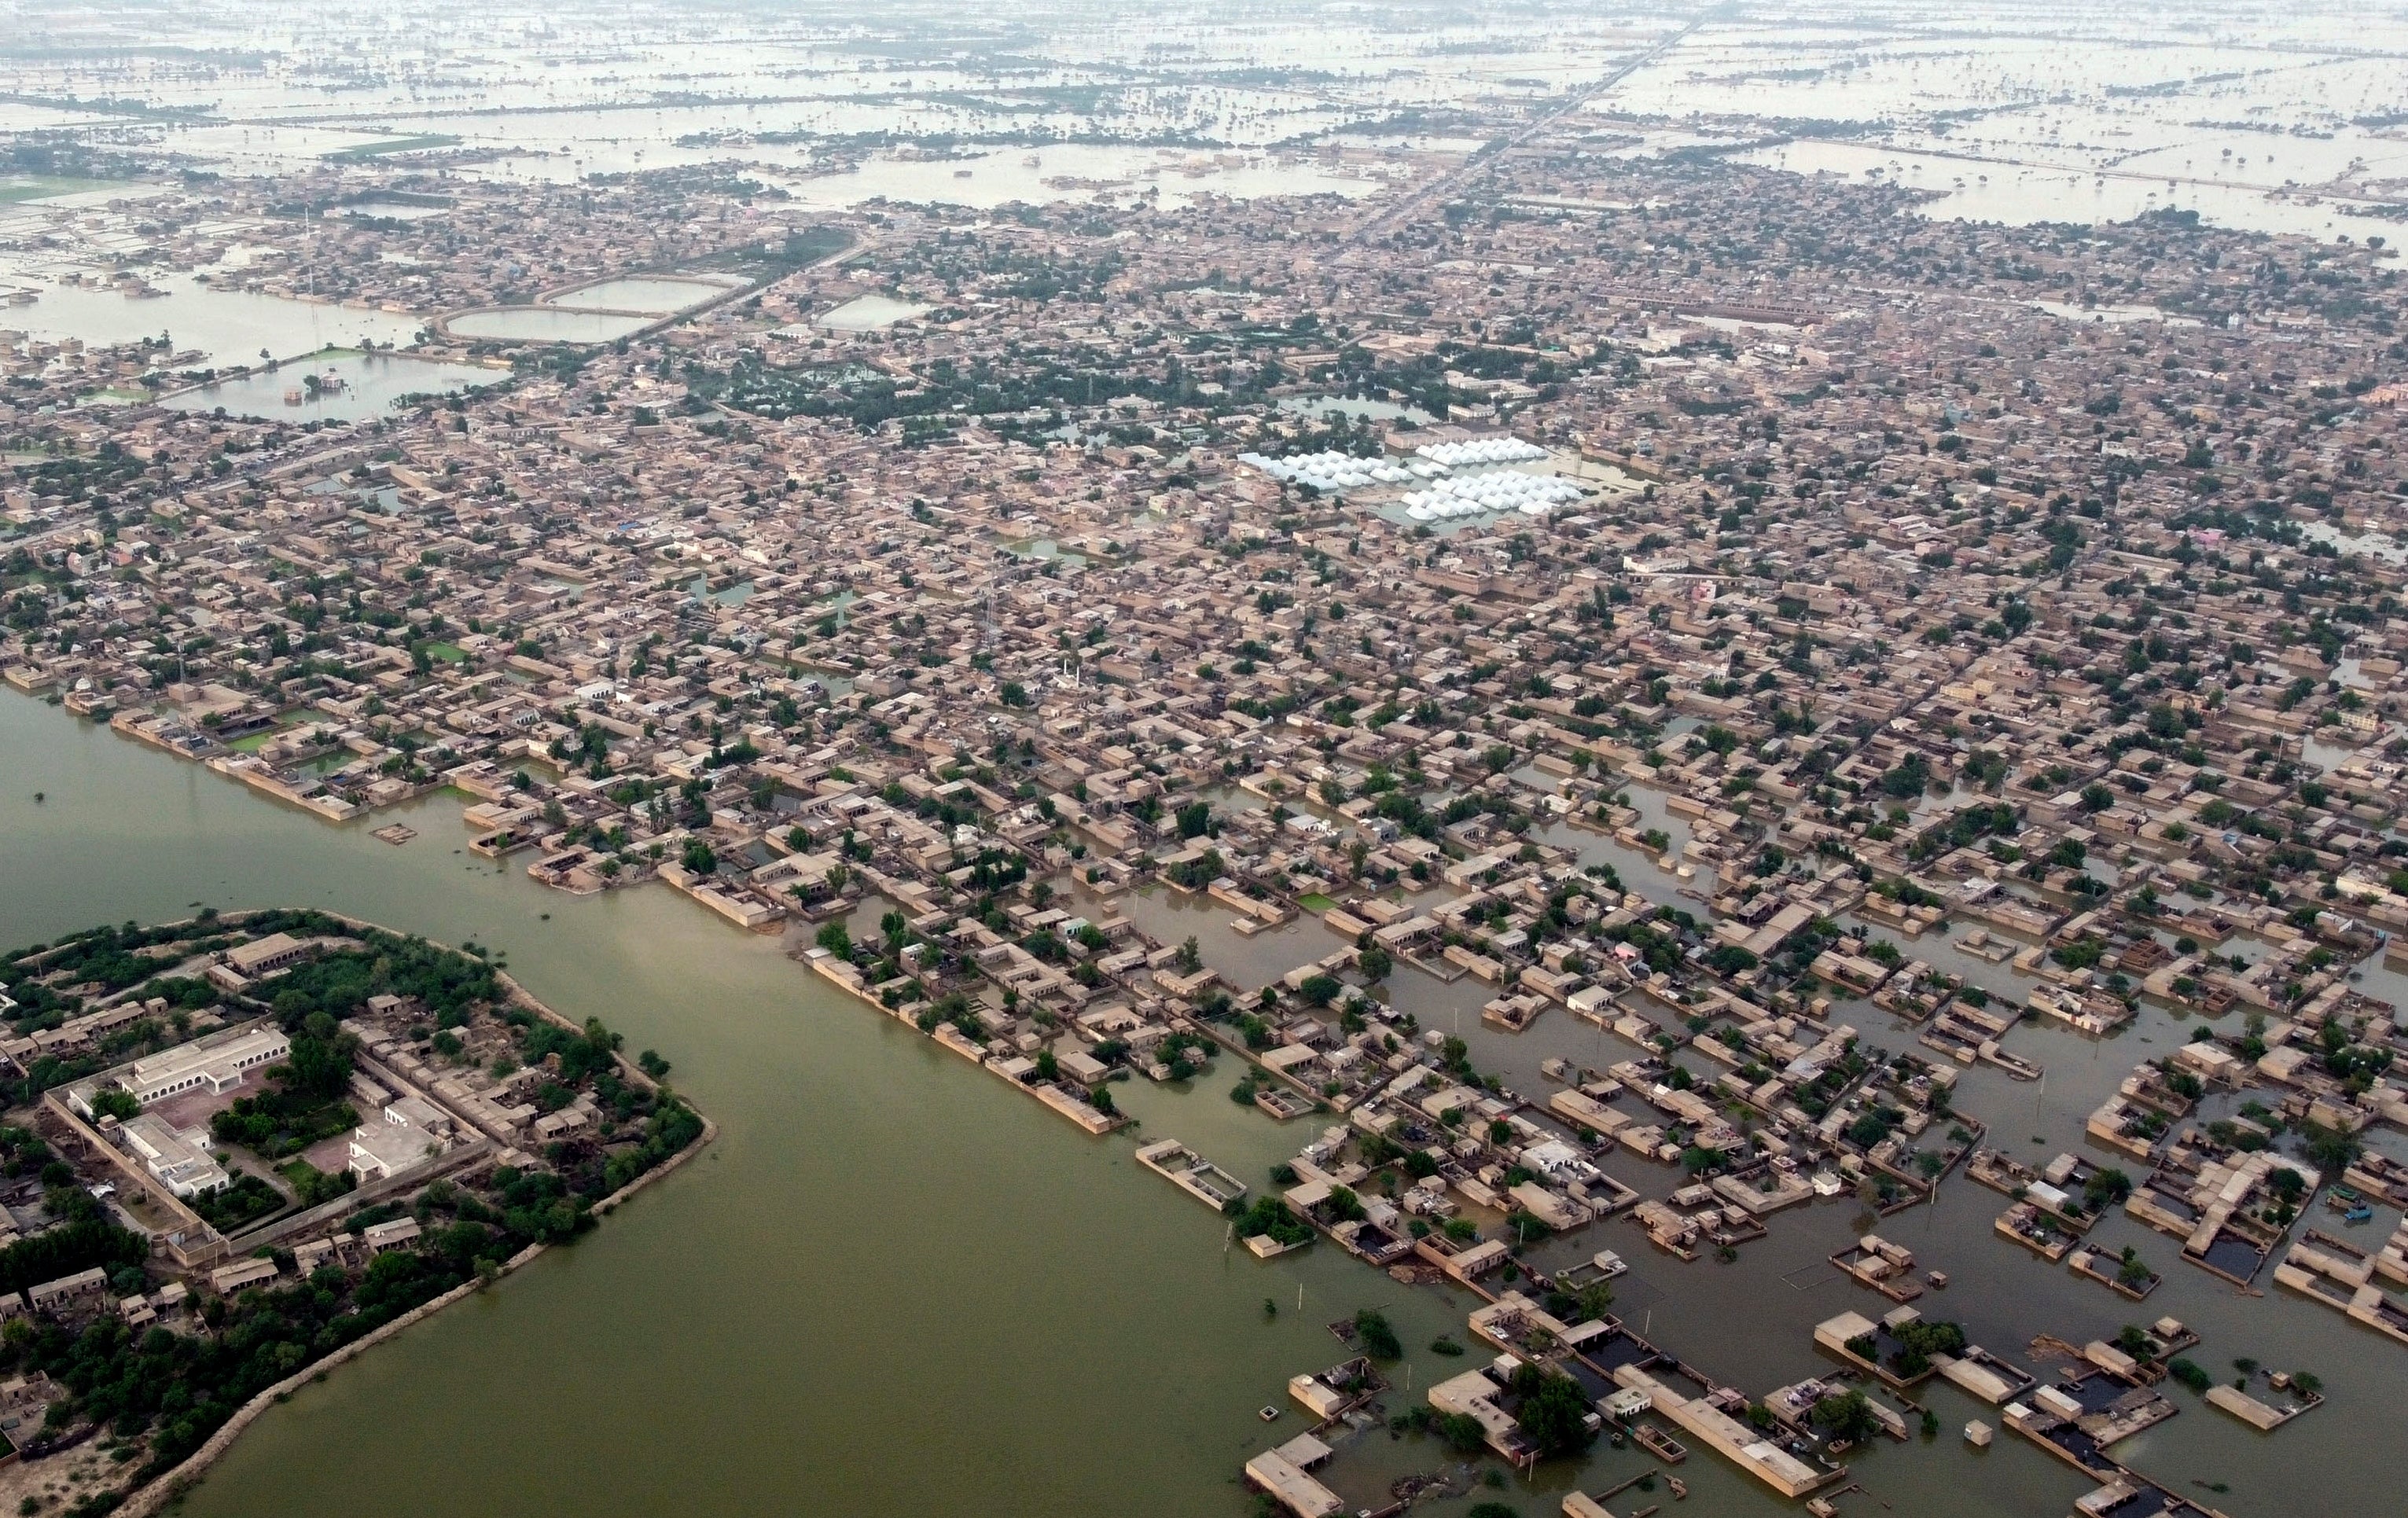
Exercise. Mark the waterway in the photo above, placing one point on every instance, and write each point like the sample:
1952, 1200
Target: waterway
896, 1285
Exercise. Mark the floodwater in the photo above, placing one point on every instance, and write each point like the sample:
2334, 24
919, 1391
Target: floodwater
1072, 172
1317, 407
656, 296
2381, 545
546, 325
228, 326
896, 1285
369, 384
2020, 194
892, 1285
868, 313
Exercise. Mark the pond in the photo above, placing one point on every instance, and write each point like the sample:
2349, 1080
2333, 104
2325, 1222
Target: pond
546, 325
657, 296
1317, 407
868, 313
351, 385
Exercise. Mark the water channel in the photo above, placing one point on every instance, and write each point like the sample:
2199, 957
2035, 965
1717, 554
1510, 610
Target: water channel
895, 1285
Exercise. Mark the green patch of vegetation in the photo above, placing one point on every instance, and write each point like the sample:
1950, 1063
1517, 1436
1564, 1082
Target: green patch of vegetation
16, 189
1378, 1338
312, 1186
1554, 1410
1269, 1216
85, 1240
239, 1205
361, 151
304, 1102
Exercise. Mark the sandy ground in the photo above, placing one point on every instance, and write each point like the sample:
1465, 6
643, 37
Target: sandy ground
57, 1480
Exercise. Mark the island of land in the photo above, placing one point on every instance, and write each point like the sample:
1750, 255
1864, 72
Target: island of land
245, 1147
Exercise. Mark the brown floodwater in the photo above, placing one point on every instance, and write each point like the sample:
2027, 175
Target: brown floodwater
896, 1285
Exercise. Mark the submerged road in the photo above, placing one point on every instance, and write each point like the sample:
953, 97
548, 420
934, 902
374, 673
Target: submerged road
1481, 163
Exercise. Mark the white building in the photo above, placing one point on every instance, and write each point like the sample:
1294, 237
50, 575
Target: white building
201, 1066
179, 1158
413, 1131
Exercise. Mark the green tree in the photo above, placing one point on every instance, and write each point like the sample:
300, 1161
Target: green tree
1847, 1417
1555, 1412
1377, 1335
1462, 1433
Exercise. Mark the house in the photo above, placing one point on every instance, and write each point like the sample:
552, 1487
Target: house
217, 1066
179, 1158
1282, 1473
1474, 1395
266, 955
412, 1130
85, 1288
226, 1279
380, 1237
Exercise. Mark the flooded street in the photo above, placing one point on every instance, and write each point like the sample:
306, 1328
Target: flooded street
772, 1329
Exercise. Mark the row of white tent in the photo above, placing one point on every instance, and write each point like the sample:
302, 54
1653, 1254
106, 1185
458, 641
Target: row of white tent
1528, 494
1480, 450
1333, 471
